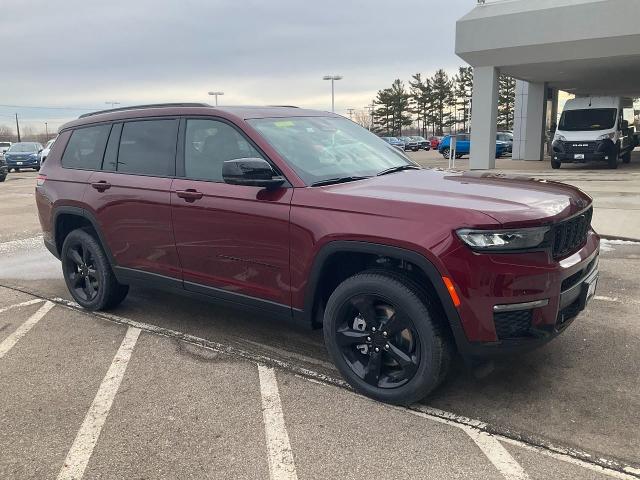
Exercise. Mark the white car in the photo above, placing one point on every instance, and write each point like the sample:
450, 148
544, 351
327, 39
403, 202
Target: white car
45, 150
4, 146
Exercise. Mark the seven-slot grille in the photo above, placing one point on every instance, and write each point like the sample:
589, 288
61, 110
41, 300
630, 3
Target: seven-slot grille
579, 147
571, 234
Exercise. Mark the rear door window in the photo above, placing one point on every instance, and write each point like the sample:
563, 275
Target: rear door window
148, 147
86, 147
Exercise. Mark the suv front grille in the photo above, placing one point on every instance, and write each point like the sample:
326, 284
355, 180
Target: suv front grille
579, 147
571, 234
513, 324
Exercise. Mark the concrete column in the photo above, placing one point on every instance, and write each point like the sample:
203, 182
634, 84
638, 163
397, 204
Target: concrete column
484, 118
529, 120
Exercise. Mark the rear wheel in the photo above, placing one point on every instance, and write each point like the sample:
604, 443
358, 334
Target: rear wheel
88, 274
385, 339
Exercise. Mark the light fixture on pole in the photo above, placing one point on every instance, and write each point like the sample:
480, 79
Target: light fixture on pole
113, 103
333, 78
215, 94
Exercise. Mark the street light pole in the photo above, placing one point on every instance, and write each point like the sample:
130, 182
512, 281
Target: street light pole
46, 130
112, 103
215, 94
18, 128
333, 78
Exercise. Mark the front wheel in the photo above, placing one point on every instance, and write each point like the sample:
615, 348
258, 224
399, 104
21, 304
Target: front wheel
626, 158
445, 152
88, 274
555, 165
613, 157
384, 339
2, 178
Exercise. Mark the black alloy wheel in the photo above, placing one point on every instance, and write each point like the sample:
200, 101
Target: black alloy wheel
80, 268
386, 338
88, 273
377, 341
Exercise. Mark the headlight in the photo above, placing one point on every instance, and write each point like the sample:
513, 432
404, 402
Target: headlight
607, 136
560, 138
495, 240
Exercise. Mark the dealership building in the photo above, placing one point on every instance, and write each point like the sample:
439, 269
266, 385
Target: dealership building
583, 47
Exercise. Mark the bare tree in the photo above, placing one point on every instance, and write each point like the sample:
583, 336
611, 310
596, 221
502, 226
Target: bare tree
362, 118
7, 134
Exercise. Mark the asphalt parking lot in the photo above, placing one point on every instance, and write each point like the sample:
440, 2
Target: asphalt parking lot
169, 387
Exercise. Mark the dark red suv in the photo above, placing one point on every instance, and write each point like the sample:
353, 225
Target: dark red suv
307, 215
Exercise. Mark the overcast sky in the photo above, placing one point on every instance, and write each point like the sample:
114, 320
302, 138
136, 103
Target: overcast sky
81, 53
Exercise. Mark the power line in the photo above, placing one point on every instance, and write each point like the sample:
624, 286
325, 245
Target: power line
49, 108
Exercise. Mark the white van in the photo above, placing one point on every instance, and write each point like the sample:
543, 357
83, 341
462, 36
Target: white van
594, 128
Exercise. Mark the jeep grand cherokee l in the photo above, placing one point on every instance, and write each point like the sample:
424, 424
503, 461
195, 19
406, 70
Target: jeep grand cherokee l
307, 215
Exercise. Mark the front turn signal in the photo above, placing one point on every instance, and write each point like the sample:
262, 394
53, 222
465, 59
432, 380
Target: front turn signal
452, 291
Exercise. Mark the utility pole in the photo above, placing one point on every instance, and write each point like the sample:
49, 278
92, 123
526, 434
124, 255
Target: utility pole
350, 112
113, 103
46, 130
371, 109
18, 127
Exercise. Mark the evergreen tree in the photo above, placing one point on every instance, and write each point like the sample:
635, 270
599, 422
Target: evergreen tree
393, 110
464, 90
506, 102
442, 88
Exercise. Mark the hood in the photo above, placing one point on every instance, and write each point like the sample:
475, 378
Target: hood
583, 135
511, 201
20, 154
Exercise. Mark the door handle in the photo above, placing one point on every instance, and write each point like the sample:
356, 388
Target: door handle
101, 186
189, 195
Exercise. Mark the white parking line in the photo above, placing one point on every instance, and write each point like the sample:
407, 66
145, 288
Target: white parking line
87, 437
8, 343
22, 304
570, 455
497, 454
281, 465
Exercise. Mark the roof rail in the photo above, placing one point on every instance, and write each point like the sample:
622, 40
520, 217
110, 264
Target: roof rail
284, 106
137, 107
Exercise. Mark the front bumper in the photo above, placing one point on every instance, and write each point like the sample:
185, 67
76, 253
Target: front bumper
545, 297
24, 163
580, 152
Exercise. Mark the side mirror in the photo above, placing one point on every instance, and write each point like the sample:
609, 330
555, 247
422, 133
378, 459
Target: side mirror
253, 172
40, 151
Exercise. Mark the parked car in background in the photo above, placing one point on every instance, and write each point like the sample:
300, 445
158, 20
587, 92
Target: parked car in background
435, 142
3, 169
45, 150
410, 144
4, 146
23, 155
402, 267
395, 142
423, 143
463, 146
507, 138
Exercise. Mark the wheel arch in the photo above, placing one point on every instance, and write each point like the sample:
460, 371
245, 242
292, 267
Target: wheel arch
326, 258
68, 218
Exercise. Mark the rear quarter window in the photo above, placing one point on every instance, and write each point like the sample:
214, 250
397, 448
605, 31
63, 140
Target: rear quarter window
86, 147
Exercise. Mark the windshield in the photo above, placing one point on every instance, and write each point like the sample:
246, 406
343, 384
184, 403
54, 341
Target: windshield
323, 148
588, 119
23, 147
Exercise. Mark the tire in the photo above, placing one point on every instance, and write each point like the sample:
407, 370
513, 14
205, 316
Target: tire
2, 178
458, 157
419, 341
17, 170
445, 152
626, 158
88, 274
555, 165
613, 158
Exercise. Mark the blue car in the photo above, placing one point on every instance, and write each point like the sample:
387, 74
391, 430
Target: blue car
463, 146
23, 155
395, 142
